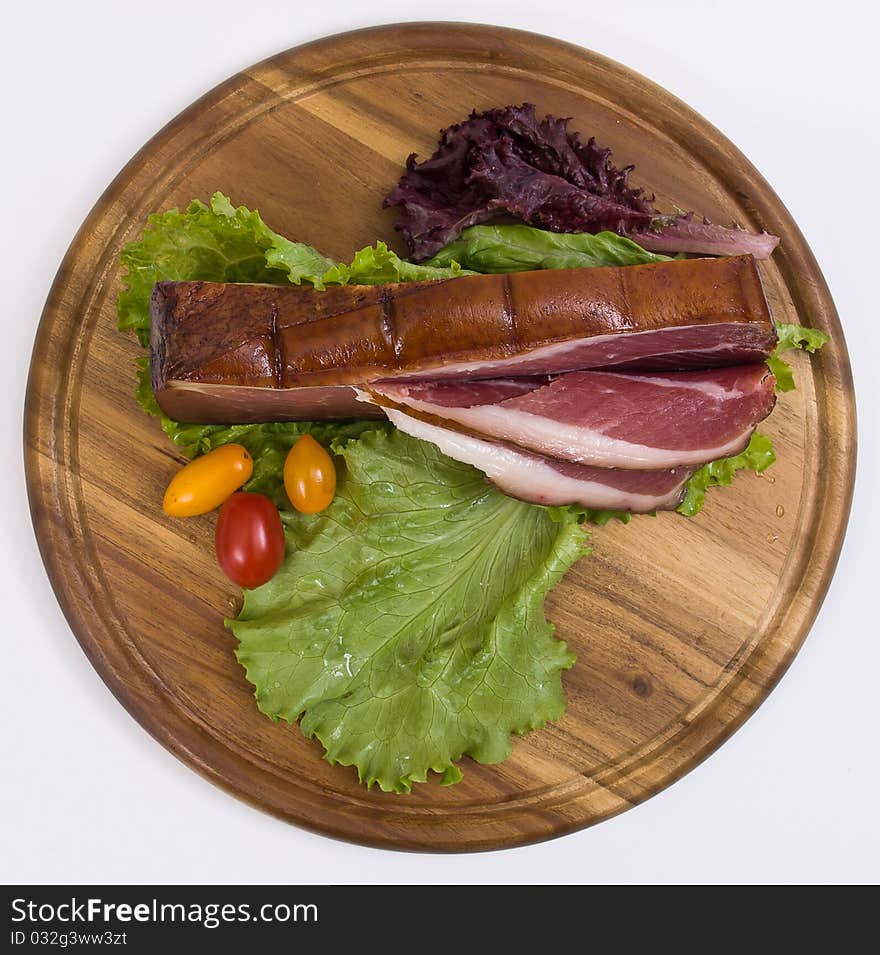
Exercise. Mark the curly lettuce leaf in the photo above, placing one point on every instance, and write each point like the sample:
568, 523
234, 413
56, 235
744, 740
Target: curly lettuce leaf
792, 336
796, 336
587, 515
373, 265
521, 248
216, 243
757, 457
378, 265
406, 628
299, 261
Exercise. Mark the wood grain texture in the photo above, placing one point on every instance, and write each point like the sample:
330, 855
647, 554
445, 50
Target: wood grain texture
681, 627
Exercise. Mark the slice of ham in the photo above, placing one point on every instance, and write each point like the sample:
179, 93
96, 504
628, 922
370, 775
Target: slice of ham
542, 480
603, 419
235, 353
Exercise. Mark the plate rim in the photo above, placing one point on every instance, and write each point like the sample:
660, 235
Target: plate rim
137, 699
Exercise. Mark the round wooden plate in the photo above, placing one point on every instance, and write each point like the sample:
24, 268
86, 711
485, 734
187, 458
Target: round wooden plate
681, 626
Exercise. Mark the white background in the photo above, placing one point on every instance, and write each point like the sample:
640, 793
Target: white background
88, 796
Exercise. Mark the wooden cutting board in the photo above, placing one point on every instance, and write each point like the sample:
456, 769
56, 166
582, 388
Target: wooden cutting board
681, 627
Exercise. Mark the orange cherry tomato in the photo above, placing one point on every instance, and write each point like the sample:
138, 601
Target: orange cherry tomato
309, 476
207, 481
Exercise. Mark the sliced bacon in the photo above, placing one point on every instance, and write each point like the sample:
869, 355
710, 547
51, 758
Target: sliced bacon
604, 419
542, 480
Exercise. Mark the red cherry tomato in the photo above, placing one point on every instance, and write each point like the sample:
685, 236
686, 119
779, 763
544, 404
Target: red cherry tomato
249, 539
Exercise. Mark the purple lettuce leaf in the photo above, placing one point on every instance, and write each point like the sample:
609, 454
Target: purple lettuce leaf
543, 199
684, 233
507, 161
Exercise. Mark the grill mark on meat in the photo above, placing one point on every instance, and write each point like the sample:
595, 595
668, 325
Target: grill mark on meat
508, 311
624, 294
387, 322
278, 363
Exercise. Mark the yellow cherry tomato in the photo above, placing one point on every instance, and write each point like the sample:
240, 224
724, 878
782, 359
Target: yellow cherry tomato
208, 481
309, 476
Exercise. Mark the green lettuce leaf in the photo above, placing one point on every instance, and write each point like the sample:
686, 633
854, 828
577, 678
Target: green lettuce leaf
378, 265
587, 515
793, 336
757, 457
406, 628
299, 261
521, 248
373, 265
796, 336
216, 243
